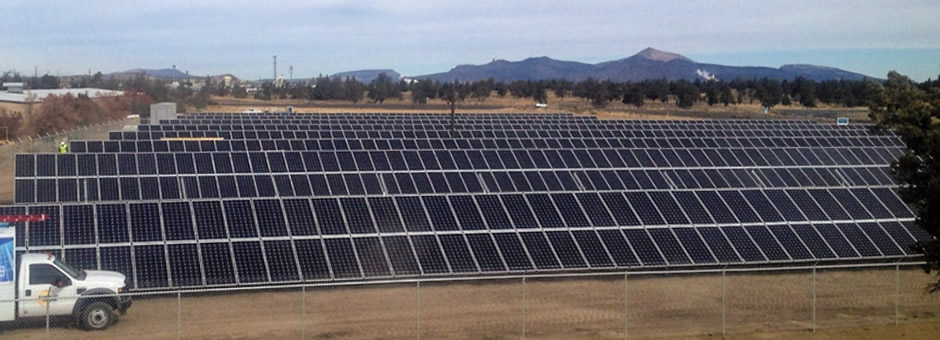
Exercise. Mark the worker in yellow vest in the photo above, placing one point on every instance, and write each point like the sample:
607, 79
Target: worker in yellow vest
63, 148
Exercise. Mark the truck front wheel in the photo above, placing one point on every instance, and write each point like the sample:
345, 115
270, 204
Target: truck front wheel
97, 316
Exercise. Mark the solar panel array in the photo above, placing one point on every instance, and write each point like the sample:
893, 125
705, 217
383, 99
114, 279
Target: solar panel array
307, 198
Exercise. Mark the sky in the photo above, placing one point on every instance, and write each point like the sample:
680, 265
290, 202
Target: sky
419, 37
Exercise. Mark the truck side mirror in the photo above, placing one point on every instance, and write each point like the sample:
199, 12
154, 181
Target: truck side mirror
62, 282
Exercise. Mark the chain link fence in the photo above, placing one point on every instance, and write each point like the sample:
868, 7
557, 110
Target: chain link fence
576, 306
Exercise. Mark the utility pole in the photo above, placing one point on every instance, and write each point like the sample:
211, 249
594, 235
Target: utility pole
275, 69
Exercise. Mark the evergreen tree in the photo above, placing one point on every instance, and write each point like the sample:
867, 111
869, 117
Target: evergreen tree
614, 90
634, 95
480, 90
501, 89
540, 94
727, 97
657, 89
323, 88
561, 88
520, 89
806, 90
239, 91
382, 88
421, 91
338, 89
712, 93
686, 93
913, 114
353, 90
769, 92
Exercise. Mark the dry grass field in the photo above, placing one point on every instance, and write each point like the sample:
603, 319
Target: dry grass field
509, 104
856, 304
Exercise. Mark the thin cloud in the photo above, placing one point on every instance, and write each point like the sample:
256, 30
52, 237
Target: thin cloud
239, 36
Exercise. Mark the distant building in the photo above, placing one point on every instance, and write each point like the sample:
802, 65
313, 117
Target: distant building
280, 82
159, 111
14, 87
16, 97
15, 93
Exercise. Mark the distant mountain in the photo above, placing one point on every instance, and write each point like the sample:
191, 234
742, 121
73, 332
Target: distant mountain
170, 74
367, 76
503, 70
820, 72
648, 64
166, 73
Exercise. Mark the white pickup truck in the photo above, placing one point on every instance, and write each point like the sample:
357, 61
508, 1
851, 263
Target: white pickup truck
45, 285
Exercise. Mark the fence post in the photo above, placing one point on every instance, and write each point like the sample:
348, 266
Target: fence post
418, 309
524, 307
179, 314
47, 313
303, 312
723, 301
814, 298
625, 304
897, 293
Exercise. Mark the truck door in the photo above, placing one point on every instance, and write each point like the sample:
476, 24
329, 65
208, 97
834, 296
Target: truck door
40, 289
7, 275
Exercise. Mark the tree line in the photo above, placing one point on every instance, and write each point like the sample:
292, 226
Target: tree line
62, 113
766, 92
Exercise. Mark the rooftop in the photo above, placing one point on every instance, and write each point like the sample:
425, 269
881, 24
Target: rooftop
35, 96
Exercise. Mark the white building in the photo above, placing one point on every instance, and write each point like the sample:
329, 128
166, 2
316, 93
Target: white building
15, 93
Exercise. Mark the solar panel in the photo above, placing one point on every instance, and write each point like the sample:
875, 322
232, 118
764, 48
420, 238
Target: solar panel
719, 245
743, 243
694, 246
290, 198
791, 243
594, 251
401, 256
768, 244
816, 244
458, 254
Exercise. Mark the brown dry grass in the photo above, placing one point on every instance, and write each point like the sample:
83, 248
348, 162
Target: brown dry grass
509, 104
855, 304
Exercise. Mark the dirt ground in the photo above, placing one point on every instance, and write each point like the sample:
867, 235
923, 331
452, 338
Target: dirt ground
856, 304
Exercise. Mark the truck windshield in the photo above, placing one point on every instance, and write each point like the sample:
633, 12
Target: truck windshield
68, 269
